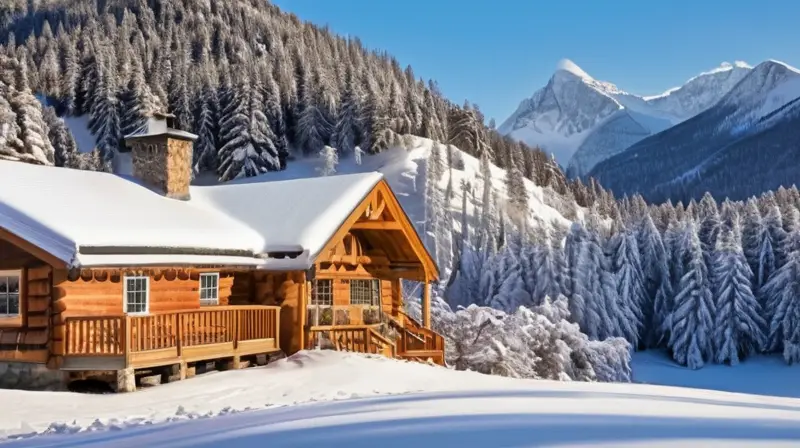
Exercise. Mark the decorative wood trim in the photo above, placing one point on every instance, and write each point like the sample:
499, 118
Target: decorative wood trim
377, 225
380, 201
32, 249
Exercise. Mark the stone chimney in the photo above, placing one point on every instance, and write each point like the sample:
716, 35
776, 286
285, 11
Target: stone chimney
161, 156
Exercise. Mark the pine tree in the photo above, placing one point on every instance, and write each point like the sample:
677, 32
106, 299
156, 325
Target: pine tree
248, 149
692, 320
346, 129
783, 297
205, 149
329, 159
738, 326
64, 146
11, 147
136, 101
627, 267
517, 191
104, 120
33, 131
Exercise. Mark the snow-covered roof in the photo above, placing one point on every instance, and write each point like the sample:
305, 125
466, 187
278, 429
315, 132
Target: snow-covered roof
98, 219
158, 126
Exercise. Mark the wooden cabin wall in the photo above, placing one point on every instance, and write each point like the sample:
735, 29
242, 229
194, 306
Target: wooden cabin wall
26, 339
101, 292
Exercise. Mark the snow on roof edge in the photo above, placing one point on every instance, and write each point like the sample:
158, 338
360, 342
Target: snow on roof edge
45, 239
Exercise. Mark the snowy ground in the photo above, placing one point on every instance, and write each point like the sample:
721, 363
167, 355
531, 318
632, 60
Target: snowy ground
762, 375
359, 407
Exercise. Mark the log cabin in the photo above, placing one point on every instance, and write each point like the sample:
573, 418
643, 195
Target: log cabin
117, 275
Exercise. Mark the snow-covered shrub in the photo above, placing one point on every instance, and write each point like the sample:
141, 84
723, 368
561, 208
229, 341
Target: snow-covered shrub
536, 342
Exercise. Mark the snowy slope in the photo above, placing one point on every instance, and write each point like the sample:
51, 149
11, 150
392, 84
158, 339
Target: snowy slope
404, 170
584, 121
742, 146
440, 407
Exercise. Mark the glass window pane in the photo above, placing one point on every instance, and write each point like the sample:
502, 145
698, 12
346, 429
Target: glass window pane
203, 294
13, 284
13, 304
3, 304
3, 285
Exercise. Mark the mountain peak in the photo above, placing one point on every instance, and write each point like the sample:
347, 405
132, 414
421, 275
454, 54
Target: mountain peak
773, 62
571, 67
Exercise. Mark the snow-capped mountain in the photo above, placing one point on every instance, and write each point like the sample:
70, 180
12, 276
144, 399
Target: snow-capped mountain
745, 144
583, 121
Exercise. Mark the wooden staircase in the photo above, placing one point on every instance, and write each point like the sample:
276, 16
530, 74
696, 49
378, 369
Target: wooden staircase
412, 341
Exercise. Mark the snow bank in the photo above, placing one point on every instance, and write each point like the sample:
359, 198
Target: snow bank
463, 408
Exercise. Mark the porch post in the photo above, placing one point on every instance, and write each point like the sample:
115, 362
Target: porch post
426, 303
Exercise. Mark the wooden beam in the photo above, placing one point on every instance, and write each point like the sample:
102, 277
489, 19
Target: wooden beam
426, 303
377, 225
32, 249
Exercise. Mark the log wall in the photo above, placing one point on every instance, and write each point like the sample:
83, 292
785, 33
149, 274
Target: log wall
26, 339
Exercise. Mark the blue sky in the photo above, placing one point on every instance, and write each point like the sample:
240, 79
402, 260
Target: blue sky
496, 53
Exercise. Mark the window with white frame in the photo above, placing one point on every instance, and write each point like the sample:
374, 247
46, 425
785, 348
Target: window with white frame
322, 293
209, 289
137, 294
9, 293
365, 292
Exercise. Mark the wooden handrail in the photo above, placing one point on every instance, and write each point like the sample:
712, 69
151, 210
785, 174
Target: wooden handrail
121, 335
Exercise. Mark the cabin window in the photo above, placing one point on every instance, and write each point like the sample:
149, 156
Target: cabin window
9, 293
322, 293
209, 289
365, 292
137, 294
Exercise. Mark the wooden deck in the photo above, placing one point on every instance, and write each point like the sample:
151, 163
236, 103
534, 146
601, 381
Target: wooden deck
131, 341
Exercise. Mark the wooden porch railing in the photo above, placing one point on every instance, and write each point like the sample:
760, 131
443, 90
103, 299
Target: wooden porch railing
125, 335
352, 338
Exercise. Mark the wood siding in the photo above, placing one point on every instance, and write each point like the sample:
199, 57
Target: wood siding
27, 338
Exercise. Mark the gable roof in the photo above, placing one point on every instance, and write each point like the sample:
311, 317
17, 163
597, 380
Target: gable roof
98, 219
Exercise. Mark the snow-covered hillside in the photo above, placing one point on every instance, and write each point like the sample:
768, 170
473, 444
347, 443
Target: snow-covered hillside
438, 407
584, 121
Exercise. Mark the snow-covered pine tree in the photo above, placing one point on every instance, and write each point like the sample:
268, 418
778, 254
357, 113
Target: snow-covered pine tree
692, 320
374, 121
206, 124
655, 273
346, 129
504, 283
104, 120
548, 266
517, 190
738, 325
783, 298
136, 101
434, 205
312, 127
487, 232
329, 159
33, 131
248, 149
627, 268
708, 215
275, 115
64, 146
11, 147
70, 73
